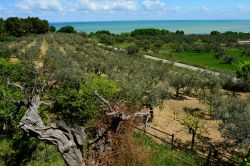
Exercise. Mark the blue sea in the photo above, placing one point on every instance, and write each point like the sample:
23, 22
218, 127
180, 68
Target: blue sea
188, 26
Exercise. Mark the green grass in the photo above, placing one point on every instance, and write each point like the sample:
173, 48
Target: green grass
162, 155
123, 45
43, 157
204, 59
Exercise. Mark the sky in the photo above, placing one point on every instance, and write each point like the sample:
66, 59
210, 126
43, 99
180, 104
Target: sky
104, 10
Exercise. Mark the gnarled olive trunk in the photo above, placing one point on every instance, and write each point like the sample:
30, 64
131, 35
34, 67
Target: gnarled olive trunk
67, 140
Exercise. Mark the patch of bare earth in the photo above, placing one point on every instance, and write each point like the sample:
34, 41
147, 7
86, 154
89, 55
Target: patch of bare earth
168, 120
43, 51
32, 44
13, 59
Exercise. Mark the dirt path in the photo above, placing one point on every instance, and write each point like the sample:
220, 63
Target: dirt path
61, 48
43, 51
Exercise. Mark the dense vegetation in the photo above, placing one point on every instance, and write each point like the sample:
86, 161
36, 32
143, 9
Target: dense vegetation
18, 26
217, 51
73, 68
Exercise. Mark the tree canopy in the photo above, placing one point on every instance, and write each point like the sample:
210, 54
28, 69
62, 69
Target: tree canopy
18, 26
67, 29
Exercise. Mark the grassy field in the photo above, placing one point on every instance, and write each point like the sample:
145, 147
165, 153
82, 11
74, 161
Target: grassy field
123, 45
203, 59
199, 59
162, 154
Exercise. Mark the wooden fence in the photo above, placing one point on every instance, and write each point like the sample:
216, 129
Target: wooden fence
209, 152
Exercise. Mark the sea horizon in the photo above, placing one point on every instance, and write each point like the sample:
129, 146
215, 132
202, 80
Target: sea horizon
188, 26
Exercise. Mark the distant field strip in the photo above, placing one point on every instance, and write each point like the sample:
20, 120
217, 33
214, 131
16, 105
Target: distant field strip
184, 66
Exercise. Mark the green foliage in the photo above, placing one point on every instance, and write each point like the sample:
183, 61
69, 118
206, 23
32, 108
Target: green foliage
228, 59
163, 155
235, 116
179, 32
78, 102
46, 155
52, 28
67, 29
219, 54
133, 50
246, 160
243, 70
107, 39
213, 33
15, 26
35, 25
18, 27
148, 32
103, 32
246, 52
2, 27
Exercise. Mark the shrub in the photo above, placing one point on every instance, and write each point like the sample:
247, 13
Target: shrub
67, 29
103, 32
213, 33
148, 32
83, 34
243, 70
132, 50
219, 54
52, 29
246, 52
108, 39
179, 32
228, 59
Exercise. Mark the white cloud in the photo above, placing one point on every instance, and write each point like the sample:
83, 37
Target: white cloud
32, 5
244, 9
205, 8
106, 5
153, 5
176, 9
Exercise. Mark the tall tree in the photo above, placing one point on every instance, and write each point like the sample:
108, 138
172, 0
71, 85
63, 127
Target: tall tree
2, 28
15, 26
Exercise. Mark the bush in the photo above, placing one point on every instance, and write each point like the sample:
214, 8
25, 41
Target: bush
132, 50
228, 59
103, 32
243, 70
52, 29
178, 32
18, 26
149, 32
246, 52
108, 39
219, 54
83, 34
213, 33
67, 29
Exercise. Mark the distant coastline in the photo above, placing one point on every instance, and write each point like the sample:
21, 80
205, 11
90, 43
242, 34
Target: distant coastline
189, 26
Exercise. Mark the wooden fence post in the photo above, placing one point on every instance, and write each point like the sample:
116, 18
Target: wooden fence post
47, 153
172, 142
208, 160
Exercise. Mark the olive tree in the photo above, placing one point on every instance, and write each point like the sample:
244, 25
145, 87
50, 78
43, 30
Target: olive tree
179, 81
235, 115
243, 70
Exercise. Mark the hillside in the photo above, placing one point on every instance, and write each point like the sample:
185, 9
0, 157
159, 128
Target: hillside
81, 83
